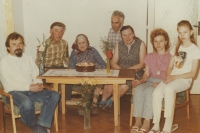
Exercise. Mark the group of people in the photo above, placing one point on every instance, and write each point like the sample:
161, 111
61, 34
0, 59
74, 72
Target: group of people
166, 73
159, 74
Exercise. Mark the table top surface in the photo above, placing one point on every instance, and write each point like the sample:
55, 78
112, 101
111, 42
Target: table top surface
128, 74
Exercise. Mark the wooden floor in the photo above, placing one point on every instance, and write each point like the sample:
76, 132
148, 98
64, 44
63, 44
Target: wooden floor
71, 122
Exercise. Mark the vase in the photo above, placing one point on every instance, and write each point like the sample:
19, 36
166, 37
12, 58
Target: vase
41, 65
87, 119
108, 66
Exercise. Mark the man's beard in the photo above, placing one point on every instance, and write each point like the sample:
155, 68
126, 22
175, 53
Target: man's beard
18, 52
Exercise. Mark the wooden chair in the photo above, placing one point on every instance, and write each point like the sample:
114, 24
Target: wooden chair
184, 102
14, 110
2, 122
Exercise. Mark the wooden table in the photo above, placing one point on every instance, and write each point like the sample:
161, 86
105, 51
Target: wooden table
124, 75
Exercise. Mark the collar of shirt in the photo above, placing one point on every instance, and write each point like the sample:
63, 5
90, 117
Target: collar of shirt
49, 40
118, 32
129, 45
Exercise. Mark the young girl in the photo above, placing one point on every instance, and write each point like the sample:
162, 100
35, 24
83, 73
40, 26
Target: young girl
155, 70
182, 68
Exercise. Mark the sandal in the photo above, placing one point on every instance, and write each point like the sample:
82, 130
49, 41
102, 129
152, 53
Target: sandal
107, 105
142, 131
174, 127
134, 128
154, 131
101, 103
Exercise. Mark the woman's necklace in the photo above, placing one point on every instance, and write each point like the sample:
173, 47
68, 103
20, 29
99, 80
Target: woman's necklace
158, 68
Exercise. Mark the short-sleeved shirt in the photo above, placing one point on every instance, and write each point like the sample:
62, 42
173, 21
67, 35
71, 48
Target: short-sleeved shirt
114, 38
157, 62
56, 55
183, 62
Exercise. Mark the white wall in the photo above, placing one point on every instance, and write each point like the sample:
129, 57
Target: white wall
2, 35
90, 17
18, 16
151, 23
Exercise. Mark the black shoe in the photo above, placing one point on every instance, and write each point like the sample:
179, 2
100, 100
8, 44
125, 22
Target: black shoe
42, 129
34, 128
39, 129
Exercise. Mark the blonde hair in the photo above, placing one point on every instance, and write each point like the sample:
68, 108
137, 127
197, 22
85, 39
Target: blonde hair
185, 23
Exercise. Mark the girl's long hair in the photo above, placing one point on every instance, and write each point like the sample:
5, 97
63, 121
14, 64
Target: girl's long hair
184, 23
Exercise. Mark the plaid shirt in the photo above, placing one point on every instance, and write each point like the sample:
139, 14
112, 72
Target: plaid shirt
114, 38
56, 55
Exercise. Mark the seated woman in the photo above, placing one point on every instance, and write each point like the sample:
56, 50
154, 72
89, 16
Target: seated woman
82, 52
128, 54
156, 64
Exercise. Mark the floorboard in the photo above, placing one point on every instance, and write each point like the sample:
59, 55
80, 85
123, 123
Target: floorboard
71, 122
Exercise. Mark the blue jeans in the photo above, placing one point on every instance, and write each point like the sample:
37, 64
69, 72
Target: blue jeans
25, 101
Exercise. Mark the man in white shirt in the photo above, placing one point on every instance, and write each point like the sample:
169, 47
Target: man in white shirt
18, 73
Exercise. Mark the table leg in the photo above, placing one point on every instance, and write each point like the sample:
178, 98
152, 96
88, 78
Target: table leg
63, 97
116, 104
55, 87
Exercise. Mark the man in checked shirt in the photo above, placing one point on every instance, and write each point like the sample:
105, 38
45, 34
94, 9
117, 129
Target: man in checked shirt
56, 53
117, 21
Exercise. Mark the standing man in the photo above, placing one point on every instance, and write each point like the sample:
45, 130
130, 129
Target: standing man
18, 73
117, 21
114, 37
56, 52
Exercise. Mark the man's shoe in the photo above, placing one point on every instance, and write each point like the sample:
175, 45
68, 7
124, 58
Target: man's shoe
34, 128
42, 129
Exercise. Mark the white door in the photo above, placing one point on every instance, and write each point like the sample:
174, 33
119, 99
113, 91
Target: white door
196, 85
